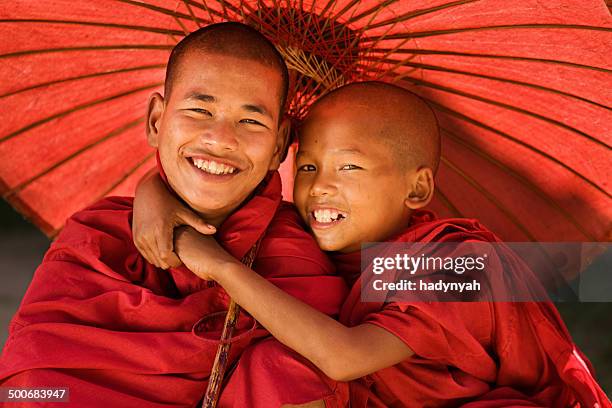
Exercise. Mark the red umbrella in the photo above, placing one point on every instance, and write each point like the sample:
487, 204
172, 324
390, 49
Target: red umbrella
521, 89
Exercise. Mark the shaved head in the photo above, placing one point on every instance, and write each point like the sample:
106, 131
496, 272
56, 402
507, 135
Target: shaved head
390, 115
232, 39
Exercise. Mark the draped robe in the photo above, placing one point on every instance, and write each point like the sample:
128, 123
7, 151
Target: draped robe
119, 332
481, 354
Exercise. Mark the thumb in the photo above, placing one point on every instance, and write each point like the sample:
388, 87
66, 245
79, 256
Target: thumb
187, 217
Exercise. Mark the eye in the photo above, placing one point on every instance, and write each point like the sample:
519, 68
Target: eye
307, 168
252, 122
200, 110
350, 167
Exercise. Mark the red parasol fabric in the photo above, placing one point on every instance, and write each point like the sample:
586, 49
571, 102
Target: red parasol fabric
521, 89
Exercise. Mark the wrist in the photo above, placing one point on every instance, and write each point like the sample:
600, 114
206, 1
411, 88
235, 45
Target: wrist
228, 271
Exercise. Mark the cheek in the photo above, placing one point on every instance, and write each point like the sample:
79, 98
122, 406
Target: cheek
259, 150
301, 189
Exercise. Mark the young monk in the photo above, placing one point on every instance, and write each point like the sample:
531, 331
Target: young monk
366, 162
115, 331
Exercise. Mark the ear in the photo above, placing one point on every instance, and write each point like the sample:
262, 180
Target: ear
421, 189
155, 111
282, 143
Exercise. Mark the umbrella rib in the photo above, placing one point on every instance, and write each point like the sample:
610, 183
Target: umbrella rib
507, 106
162, 10
192, 14
500, 79
32, 214
77, 108
346, 8
492, 56
87, 76
525, 181
90, 48
96, 24
461, 116
115, 132
114, 185
371, 10
326, 8
448, 204
488, 196
417, 13
421, 34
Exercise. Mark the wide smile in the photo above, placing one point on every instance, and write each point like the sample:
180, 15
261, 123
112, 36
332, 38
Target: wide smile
213, 170
326, 217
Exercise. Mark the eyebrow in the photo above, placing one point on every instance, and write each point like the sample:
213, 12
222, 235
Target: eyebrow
256, 109
211, 99
202, 97
351, 151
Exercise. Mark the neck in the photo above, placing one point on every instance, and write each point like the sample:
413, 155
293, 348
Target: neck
216, 218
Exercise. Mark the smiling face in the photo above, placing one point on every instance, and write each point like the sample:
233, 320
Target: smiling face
348, 188
217, 133
365, 160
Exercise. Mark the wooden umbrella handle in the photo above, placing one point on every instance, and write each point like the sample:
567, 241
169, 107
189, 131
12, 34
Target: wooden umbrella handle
211, 397
220, 365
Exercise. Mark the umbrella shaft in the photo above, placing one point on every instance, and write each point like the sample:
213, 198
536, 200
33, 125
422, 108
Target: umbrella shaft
220, 365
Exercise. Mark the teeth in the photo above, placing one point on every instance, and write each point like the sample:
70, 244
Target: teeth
326, 215
213, 167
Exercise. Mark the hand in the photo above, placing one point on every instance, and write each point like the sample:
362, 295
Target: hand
201, 254
156, 213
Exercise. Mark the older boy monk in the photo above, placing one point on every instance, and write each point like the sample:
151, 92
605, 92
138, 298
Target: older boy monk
119, 332
366, 162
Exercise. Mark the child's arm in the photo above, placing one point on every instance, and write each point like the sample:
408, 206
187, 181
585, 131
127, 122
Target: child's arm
156, 213
342, 353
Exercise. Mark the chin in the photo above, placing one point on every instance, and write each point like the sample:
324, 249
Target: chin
329, 245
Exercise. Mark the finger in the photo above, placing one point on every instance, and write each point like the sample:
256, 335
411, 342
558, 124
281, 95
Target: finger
149, 254
173, 260
190, 218
158, 255
165, 248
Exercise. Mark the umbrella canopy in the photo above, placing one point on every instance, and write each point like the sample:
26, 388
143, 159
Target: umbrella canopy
521, 90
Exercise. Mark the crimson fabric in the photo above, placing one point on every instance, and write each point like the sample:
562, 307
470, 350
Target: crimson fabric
521, 90
119, 332
483, 354
258, 369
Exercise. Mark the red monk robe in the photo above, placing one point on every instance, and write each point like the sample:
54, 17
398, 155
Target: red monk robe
481, 354
119, 332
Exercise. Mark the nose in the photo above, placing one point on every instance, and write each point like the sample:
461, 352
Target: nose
322, 185
221, 136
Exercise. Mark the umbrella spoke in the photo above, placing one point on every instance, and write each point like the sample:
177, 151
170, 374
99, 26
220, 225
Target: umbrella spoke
114, 133
374, 9
492, 56
491, 77
507, 136
76, 78
162, 10
77, 108
417, 13
490, 197
523, 180
447, 203
97, 24
507, 106
90, 48
133, 170
421, 34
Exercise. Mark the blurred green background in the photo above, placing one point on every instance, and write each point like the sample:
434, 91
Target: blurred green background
22, 247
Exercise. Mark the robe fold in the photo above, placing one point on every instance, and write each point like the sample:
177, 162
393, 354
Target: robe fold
119, 332
481, 354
